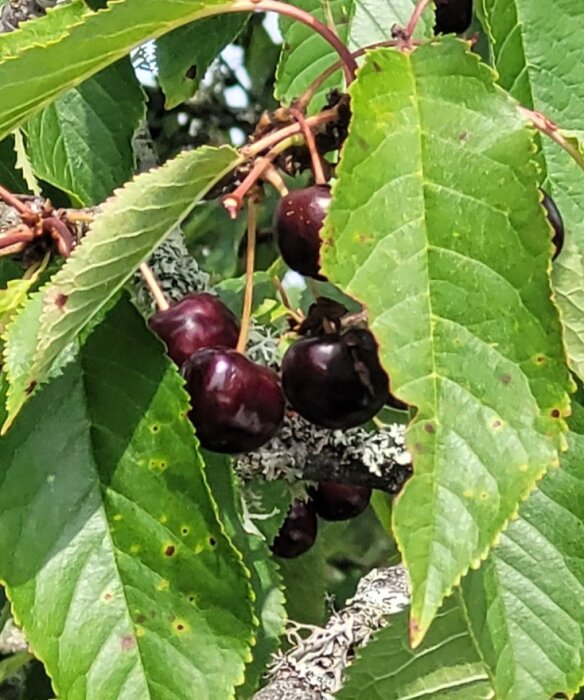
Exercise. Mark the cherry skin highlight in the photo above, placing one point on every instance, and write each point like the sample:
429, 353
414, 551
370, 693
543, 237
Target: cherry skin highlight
334, 501
556, 222
335, 381
197, 321
237, 406
298, 532
298, 220
453, 16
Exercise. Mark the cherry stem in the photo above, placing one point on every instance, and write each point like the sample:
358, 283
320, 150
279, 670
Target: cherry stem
12, 201
12, 237
233, 202
282, 8
296, 315
319, 177
249, 270
549, 128
154, 287
273, 177
78, 217
279, 135
415, 18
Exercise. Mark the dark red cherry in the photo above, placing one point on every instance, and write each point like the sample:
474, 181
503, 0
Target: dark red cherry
298, 533
237, 406
556, 221
335, 381
198, 321
298, 220
453, 16
334, 501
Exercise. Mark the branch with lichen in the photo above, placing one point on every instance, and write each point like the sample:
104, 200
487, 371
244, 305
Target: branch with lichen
314, 668
14, 12
304, 451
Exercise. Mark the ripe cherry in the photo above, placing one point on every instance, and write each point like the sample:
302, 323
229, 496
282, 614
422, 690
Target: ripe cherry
237, 406
397, 404
298, 220
453, 16
334, 501
556, 221
335, 381
298, 533
198, 321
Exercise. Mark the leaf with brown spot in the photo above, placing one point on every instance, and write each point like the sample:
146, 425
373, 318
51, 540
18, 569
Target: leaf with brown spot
82, 458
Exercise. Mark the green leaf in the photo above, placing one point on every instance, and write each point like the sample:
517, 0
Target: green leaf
184, 55
305, 585
446, 666
531, 68
525, 603
37, 74
214, 239
124, 234
38, 32
82, 143
110, 546
264, 575
437, 198
306, 55
24, 165
10, 177
14, 295
9, 270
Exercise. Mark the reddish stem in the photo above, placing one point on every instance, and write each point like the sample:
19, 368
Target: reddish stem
279, 135
12, 201
19, 234
319, 177
60, 234
551, 129
282, 8
415, 18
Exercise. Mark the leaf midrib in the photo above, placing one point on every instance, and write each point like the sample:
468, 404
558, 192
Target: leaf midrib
431, 335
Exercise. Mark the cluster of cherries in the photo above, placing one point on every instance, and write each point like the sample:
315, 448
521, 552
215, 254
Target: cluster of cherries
331, 377
329, 500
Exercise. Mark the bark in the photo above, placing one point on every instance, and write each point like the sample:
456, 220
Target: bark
304, 451
313, 669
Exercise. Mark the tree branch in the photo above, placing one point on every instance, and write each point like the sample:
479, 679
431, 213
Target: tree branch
313, 669
303, 451
14, 12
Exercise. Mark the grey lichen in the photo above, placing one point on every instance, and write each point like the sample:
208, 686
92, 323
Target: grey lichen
14, 12
313, 669
302, 450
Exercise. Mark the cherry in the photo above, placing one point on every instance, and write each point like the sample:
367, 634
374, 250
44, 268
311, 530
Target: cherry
334, 501
197, 321
298, 220
335, 381
556, 221
397, 404
298, 532
237, 406
453, 16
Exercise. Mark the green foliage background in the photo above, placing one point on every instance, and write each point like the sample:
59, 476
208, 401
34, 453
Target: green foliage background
126, 554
